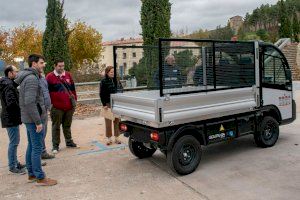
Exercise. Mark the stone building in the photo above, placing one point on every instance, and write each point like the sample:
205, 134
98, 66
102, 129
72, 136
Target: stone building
235, 23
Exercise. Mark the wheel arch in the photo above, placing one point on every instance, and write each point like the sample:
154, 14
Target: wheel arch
273, 111
196, 131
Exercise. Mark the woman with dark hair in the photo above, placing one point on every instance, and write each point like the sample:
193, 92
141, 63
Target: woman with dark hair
108, 87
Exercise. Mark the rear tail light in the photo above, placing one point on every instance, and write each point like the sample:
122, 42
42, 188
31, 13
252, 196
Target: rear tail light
154, 136
123, 127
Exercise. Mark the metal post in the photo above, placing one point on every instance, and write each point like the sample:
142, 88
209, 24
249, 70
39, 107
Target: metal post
160, 67
115, 64
204, 67
214, 66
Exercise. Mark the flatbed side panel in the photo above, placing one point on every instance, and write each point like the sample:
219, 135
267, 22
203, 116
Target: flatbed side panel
208, 105
135, 107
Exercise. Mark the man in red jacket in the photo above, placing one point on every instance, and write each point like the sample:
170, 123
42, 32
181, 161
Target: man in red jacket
63, 97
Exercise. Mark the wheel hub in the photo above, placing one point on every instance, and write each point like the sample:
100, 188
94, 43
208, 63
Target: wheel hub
187, 154
268, 132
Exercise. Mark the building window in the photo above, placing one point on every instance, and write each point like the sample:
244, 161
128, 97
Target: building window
134, 64
124, 68
124, 55
134, 54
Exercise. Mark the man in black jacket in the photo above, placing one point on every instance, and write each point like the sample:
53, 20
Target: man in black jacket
11, 117
172, 76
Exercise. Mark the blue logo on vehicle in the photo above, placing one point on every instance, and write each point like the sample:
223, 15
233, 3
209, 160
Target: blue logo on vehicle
230, 134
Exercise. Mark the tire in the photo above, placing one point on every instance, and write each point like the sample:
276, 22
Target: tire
139, 149
268, 132
185, 156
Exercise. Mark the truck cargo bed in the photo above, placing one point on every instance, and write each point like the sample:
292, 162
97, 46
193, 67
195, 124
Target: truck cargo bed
148, 108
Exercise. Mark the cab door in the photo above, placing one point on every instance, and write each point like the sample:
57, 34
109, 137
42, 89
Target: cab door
276, 81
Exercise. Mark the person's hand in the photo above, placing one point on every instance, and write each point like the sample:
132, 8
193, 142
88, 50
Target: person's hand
39, 128
105, 107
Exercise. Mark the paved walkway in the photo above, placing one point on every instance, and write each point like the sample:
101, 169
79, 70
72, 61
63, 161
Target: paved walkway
230, 170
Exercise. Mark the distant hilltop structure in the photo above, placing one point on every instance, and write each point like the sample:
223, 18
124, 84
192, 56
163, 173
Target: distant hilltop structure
235, 23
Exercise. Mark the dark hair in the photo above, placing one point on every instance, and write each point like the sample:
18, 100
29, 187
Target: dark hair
58, 61
107, 69
8, 69
34, 58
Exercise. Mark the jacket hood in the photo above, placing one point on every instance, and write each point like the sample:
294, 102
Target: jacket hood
4, 82
24, 73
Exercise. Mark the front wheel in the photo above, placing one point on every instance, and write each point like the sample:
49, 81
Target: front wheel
185, 155
139, 149
268, 132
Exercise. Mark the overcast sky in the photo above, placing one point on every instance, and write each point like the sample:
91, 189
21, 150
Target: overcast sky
120, 18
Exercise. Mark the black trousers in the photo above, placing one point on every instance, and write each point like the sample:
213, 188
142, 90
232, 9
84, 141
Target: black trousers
64, 118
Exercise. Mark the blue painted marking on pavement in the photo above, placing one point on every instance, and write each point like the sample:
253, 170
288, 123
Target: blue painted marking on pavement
102, 148
100, 145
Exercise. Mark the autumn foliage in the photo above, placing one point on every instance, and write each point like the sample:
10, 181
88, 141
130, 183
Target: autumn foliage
20, 42
85, 42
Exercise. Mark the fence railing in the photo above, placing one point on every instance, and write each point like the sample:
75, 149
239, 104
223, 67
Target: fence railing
89, 91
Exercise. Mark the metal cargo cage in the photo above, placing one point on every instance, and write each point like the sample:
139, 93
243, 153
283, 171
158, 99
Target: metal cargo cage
184, 80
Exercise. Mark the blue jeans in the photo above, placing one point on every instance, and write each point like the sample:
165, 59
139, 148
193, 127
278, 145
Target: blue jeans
45, 133
14, 140
34, 151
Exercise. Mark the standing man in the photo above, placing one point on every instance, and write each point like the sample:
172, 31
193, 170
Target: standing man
63, 97
11, 117
47, 100
172, 76
33, 115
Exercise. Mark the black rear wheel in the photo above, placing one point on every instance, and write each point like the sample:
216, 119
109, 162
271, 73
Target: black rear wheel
139, 149
268, 132
185, 155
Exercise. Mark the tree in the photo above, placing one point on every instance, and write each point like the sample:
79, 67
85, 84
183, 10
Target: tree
200, 34
285, 30
20, 42
186, 60
85, 42
220, 33
55, 45
155, 23
4, 54
155, 20
296, 27
263, 34
25, 40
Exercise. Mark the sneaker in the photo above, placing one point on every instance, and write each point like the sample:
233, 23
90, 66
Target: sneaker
20, 166
43, 164
46, 182
47, 156
18, 171
31, 179
117, 140
55, 150
72, 145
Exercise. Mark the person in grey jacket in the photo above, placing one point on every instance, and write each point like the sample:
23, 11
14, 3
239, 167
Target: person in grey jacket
33, 115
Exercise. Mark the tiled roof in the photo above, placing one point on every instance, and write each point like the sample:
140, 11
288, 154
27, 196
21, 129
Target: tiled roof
123, 41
